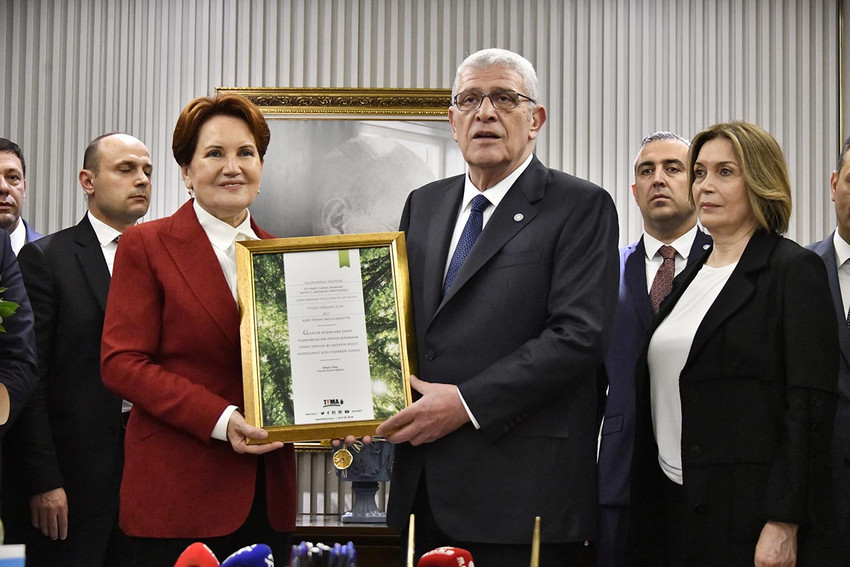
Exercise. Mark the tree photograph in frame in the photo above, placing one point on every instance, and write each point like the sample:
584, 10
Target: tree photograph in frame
326, 334
343, 161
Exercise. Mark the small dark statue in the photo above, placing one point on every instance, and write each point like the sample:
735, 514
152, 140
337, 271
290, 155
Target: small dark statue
364, 465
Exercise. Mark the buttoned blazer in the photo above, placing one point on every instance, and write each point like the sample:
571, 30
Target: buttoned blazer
758, 399
841, 431
69, 434
17, 344
522, 332
633, 318
171, 346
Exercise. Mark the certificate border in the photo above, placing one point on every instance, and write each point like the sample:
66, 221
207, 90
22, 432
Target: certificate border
251, 380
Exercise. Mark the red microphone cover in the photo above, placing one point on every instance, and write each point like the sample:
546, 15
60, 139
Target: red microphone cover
446, 557
197, 555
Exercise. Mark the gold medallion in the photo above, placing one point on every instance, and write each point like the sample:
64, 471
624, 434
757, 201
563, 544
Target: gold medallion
342, 459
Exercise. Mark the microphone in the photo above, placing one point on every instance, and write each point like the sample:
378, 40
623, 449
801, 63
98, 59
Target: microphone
446, 557
197, 555
257, 555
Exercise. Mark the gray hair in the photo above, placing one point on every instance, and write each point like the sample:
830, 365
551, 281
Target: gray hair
494, 57
659, 136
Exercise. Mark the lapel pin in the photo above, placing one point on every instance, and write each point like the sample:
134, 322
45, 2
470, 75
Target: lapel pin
518, 217
706, 246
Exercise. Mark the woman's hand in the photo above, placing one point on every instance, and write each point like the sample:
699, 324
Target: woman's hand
239, 431
777, 545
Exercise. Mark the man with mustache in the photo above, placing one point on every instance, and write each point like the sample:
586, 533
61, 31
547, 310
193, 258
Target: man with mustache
670, 224
64, 457
13, 193
511, 328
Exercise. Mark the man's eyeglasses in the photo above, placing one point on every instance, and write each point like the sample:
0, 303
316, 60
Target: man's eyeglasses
501, 100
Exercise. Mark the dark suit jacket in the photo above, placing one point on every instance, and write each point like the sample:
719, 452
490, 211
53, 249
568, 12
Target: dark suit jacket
17, 344
841, 432
521, 332
632, 321
758, 400
69, 434
171, 346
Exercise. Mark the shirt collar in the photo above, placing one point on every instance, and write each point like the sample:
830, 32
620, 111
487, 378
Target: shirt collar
842, 249
497, 192
221, 234
683, 244
105, 233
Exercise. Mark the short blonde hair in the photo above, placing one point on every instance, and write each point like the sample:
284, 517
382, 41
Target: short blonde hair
763, 166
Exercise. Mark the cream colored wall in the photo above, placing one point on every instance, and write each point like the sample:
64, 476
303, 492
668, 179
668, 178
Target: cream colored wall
611, 71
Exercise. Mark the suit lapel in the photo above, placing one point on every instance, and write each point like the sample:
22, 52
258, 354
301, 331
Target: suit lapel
440, 233
188, 245
516, 210
634, 275
90, 256
737, 291
826, 250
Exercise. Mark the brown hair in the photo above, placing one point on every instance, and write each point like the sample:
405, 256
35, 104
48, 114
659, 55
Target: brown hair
763, 167
202, 109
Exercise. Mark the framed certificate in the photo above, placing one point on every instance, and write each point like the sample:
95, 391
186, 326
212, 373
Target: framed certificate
327, 333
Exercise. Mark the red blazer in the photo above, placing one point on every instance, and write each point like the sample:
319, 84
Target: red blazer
171, 346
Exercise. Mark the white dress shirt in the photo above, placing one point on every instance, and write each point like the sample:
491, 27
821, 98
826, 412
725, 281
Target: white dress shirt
223, 239
18, 237
654, 260
842, 255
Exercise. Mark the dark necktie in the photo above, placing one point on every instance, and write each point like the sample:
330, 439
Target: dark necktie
467, 238
663, 282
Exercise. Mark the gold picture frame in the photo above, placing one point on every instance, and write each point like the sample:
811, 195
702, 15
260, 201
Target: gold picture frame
343, 160
323, 319
381, 104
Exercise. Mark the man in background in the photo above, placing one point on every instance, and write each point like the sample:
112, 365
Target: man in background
63, 466
511, 328
835, 252
13, 193
670, 240
18, 374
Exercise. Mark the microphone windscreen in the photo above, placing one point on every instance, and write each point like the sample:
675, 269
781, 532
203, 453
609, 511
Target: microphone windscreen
197, 555
257, 555
446, 557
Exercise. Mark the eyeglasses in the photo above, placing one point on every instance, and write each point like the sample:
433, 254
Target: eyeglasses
500, 99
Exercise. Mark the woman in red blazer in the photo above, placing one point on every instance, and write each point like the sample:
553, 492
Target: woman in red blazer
171, 347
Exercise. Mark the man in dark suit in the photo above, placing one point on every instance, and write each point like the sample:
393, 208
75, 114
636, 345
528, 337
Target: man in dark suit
669, 219
13, 193
64, 467
509, 337
835, 252
17, 340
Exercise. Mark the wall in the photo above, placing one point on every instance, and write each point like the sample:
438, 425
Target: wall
611, 71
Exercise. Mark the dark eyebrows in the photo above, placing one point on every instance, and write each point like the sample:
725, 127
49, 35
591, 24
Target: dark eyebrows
663, 162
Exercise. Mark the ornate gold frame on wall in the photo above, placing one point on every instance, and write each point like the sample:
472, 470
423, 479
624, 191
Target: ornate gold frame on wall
377, 104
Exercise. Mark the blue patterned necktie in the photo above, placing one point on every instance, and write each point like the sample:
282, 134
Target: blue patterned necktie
467, 239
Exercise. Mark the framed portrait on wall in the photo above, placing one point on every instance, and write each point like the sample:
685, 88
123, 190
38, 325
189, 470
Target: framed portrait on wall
342, 161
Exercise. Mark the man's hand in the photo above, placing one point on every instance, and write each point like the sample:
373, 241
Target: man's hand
437, 413
239, 431
777, 545
49, 513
